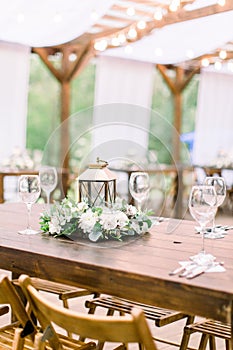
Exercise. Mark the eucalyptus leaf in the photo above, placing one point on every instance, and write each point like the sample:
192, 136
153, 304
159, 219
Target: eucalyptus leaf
94, 236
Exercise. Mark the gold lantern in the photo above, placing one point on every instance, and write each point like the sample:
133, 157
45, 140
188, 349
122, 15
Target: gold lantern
97, 185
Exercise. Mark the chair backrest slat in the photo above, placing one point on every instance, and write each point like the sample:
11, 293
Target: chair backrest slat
124, 329
9, 295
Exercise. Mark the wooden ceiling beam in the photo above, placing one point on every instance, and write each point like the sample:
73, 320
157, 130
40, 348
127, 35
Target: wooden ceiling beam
84, 57
44, 54
183, 15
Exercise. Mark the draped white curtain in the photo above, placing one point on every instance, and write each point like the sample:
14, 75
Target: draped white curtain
14, 73
214, 117
123, 94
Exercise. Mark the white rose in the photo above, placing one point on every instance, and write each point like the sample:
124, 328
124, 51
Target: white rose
87, 221
121, 218
108, 221
131, 210
54, 226
82, 206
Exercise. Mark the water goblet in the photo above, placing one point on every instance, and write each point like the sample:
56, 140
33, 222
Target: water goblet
220, 187
29, 191
139, 185
48, 180
203, 207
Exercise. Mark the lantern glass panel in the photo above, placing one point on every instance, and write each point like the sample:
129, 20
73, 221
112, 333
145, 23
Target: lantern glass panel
97, 192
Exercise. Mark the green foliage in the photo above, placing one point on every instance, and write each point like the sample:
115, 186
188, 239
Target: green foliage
44, 109
43, 104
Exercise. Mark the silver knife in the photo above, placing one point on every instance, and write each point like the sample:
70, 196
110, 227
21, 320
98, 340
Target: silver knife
197, 271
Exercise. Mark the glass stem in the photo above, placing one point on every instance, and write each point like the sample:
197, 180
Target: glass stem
203, 239
48, 198
139, 206
213, 228
29, 208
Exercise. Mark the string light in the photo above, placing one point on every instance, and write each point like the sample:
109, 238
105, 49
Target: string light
205, 62
130, 11
115, 41
132, 33
72, 57
141, 25
221, 2
121, 38
174, 5
101, 45
189, 53
223, 54
158, 15
230, 65
218, 65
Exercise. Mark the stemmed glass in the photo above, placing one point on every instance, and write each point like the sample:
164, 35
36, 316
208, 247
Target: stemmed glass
220, 187
29, 192
203, 207
139, 185
48, 180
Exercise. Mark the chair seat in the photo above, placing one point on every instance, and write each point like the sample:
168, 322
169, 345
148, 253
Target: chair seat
209, 330
211, 327
160, 316
64, 291
7, 340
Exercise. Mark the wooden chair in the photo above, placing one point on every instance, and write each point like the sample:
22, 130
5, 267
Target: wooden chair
160, 316
131, 328
9, 296
21, 334
210, 330
64, 291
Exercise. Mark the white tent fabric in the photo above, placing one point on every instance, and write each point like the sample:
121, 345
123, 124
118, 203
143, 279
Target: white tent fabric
48, 22
53, 22
14, 72
124, 90
181, 41
214, 118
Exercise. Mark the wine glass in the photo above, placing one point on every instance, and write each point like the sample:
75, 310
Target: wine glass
203, 207
48, 180
220, 187
29, 191
139, 185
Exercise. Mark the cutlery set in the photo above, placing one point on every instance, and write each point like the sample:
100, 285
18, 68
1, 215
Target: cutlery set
192, 269
217, 228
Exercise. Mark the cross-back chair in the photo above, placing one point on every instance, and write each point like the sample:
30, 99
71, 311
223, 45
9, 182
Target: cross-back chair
8, 337
160, 316
63, 291
209, 330
131, 328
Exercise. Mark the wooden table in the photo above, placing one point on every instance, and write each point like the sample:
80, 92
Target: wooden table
15, 173
64, 178
138, 270
173, 169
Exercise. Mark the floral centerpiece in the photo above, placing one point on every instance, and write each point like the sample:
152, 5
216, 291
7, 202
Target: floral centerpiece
94, 223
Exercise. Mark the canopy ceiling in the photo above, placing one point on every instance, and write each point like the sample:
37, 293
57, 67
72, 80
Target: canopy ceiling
48, 22
159, 31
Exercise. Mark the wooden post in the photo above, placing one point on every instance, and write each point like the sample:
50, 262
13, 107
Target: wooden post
64, 75
177, 121
177, 85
